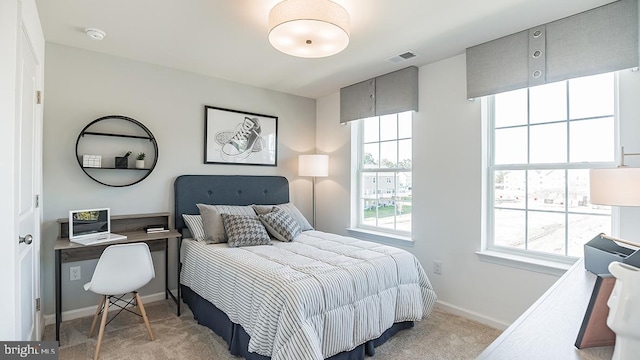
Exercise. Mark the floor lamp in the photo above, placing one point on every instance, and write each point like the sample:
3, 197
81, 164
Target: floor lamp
314, 166
621, 187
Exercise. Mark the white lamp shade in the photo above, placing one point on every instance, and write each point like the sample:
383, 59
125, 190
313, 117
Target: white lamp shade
309, 28
616, 187
313, 165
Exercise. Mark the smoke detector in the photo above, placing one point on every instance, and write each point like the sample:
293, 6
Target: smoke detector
95, 34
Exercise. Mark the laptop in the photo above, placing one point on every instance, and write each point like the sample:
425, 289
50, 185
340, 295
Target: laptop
92, 226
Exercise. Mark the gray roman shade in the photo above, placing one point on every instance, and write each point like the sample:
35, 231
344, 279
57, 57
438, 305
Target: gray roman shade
358, 101
387, 94
596, 41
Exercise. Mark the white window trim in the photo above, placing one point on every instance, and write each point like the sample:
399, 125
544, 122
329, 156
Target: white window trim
527, 259
380, 237
519, 261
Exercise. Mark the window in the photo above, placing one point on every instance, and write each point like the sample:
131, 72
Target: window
542, 143
384, 173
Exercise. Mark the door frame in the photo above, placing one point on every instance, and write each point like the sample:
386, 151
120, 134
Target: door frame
17, 16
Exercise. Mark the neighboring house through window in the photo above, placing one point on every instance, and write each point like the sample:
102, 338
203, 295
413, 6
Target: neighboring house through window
542, 142
384, 198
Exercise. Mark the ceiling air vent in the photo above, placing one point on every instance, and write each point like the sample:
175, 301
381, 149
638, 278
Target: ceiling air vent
409, 54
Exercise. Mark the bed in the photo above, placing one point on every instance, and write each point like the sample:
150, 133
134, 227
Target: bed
321, 296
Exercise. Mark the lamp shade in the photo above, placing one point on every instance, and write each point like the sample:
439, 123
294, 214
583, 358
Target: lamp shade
617, 187
309, 28
313, 165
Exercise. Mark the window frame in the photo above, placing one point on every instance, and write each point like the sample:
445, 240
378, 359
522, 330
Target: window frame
359, 170
510, 255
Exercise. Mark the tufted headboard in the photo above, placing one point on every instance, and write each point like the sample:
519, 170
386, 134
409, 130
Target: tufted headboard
190, 190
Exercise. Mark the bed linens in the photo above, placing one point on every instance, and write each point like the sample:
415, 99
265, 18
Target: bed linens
312, 298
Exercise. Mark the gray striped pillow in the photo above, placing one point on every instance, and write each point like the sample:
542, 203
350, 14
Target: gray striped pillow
195, 226
244, 230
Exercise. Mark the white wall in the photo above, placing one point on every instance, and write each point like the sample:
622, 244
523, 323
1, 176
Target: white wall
83, 86
447, 192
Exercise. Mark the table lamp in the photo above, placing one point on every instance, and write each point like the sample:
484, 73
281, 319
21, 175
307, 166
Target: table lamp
314, 166
621, 187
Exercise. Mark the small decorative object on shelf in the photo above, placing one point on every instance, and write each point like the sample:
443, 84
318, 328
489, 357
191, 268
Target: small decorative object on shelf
123, 162
92, 161
140, 160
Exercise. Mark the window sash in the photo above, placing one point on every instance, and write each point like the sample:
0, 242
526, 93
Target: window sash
567, 166
378, 194
362, 170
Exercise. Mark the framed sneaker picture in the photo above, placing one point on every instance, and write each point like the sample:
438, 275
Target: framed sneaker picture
239, 138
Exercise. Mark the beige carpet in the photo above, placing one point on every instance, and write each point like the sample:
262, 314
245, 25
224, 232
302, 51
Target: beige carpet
441, 336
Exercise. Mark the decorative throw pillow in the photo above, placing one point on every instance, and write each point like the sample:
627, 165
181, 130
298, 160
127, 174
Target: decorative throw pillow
290, 209
244, 230
195, 226
280, 224
213, 226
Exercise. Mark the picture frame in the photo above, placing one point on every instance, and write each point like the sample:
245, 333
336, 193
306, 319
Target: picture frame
235, 137
594, 331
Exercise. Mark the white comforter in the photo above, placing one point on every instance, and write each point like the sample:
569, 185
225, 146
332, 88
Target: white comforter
312, 298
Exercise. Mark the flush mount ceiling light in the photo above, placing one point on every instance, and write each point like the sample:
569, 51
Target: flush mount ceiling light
309, 28
95, 34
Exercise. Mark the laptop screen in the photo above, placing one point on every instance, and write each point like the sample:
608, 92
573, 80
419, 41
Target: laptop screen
88, 222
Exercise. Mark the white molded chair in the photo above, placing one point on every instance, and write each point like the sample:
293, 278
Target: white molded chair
121, 269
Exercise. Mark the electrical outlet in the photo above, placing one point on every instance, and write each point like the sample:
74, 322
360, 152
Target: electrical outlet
74, 273
437, 267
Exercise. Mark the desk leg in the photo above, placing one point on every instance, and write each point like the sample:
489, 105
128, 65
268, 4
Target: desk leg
167, 291
178, 290
58, 294
166, 268
178, 266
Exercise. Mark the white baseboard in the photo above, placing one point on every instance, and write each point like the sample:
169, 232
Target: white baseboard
91, 310
472, 315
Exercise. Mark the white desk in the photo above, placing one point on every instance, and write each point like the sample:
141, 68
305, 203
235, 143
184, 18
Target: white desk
549, 328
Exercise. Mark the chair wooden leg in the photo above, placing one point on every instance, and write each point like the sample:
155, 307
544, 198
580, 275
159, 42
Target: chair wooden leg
144, 316
103, 323
95, 317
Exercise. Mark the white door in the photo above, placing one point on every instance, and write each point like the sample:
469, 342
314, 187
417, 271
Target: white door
21, 71
27, 186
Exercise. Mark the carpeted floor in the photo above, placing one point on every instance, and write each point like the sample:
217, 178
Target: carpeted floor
442, 336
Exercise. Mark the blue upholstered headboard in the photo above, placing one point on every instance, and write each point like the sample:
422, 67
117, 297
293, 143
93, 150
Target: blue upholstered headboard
190, 190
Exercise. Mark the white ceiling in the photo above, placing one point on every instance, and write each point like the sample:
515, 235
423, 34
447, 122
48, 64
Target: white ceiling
227, 39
